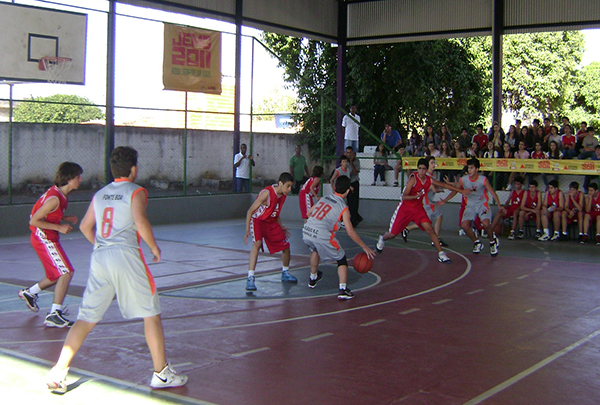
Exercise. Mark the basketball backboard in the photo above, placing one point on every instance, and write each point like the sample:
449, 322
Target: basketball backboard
31, 33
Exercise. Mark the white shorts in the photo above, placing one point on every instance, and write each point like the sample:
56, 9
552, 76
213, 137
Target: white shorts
432, 214
119, 270
480, 211
328, 250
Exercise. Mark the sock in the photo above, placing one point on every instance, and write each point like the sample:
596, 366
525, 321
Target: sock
547, 231
35, 289
250, 273
342, 286
564, 233
477, 241
313, 276
285, 268
56, 307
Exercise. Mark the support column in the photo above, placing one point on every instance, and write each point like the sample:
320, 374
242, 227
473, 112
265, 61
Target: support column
497, 32
110, 89
238, 79
341, 73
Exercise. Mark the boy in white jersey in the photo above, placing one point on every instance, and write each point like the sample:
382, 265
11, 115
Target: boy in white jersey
319, 234
113, 222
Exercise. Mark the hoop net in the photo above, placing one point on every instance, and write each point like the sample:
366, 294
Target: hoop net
56, 68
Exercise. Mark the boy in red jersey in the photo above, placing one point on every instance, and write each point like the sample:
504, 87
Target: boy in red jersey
531, 207
45, 225
511, 207
310, 191
263, 223
554, 204
592, 213
573, 212
411, 208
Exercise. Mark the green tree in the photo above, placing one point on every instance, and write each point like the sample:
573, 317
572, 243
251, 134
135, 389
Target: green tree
276, 102
58, 108
588, 95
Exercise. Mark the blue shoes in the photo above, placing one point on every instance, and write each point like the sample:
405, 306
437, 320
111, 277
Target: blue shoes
287, 277
250, 286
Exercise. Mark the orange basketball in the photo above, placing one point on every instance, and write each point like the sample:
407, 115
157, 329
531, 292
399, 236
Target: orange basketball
362, 263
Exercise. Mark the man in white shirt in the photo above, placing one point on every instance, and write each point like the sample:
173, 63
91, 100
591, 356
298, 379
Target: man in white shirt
351, 124
242, 162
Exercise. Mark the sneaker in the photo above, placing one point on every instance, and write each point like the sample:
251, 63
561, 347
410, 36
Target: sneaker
511, 235
373, 183
538, 234
442, 243
443, 258
496, 240
544, 238
477, 247
345, 294
168, 378
405, 232
250, 286
583, 240
56, 319
598, 240
30, 299
287, 277
380, 244
494, 249
56, 380
555, 237
395, 184
484, 233
461, 232
313, 283
521, 234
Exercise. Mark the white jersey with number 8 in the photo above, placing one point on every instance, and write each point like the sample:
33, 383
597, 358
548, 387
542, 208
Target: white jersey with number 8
114, 216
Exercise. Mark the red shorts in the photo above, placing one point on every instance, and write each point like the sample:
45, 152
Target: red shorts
271, 233
51, 254
407, 213
530, 215
574, 218
306, 202
510, 211
593, 215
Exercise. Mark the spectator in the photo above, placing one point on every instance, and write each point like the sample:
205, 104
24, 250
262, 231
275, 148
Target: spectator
552, 208
474, 151
445, 135
518, 126
547, 126
588, 179
354, 194
511, 137
481, 138
391, 137
445, 151
507, 152
538, 136
464, 139
592, 213
298, 169
573, 212
588, 144
526, 137
351, 125
496, 135
415, 143
565, 122
521, 153
429, 136
538, 153
242, 162
569, 142
491, 152
432, 150
580, 135
554, 137
403, 153
531, 209
555, 154
458, 151
381, 162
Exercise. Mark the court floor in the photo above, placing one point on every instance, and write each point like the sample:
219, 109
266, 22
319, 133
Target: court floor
521, 328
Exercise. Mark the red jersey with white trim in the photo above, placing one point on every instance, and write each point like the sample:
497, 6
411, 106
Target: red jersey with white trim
420, 186
308, 184
570, 203
531, 201
270, 212
515, 198
53, 217
553, 200
596, 205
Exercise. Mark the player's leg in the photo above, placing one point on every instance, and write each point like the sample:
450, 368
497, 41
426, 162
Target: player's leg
315, 274
545, 225
586, 227
563, 219
466, 226
427, 227
556, 217
515, 220
344, 292
164, 376
62, 285
488, 229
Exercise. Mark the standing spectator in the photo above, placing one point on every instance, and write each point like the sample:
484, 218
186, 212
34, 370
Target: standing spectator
568, 141
354, 194
511, 137
547, 126
432, 150
580, 135
481, 138
445, 135
464, 139
242, 162
298, 169
391, 137
351, 124
496, 135
588, 144
527, 137
445, 151
380, 161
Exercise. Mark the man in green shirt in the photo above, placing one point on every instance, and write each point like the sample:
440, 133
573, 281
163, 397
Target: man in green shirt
298, 169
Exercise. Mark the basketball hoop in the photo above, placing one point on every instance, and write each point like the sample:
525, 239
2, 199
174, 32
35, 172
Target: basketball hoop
55, 67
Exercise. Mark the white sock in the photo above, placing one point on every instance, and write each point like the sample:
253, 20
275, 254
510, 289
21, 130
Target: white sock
313, 276
547, 231
35, 289
250, 273
56, 307
285, 268
342, 286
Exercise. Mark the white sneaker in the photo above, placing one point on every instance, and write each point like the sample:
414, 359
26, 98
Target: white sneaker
477, 247
511, 236
380, 244
494, 249
496, 240
461, 232
443, 258
168, 378
556, 236
544, 238
56, 380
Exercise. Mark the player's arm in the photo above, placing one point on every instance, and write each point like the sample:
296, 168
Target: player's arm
579, 203
286, 231
540, 199
313, 187
450, 187
354, 236
523, 206
491, 190
88, 224
409, 185
561, 201
140, 218
445, 200
38, 218
335, 175
260, 200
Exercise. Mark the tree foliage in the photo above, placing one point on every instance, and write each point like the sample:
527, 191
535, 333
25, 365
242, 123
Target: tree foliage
588, 95
58, 108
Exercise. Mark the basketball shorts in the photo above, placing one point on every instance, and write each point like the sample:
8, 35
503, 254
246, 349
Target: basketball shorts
271, 233
574, 218
405, 214
530, 216
480, 211
328, 250
119, 270
306, 203
51, 254
510, 211
432, 214
593, 215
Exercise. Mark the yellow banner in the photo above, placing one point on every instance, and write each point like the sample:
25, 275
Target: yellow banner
192, 59
569, 166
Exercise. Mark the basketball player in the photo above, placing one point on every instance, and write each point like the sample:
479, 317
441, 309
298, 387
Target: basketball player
553, 206
45, 225
113, 223
592, 213
531, 208
319, 234
263, 223
310, 191
573, 212
410, 209
511, 207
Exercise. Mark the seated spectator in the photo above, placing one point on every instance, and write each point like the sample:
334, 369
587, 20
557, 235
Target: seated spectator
432, 150
553, 137
491, 152
527, 137
415, 143
573, 212
552, 208
531, 209
473, 151
522, 152
429, 136
588, 144
581, 133
458, 151
481, 138
592, 213
507, 152
506, 178
381, 163
464, 139
587, 179
511, 137
445, 151
403, 153
538, 136
445, 135
569, 142
511, 207
496, 135
391, 137
565, 123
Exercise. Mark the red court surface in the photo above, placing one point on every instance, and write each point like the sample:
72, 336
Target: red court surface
521, 328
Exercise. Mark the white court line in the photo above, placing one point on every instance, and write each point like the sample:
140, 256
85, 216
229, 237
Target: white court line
539, 268
440, 302
501, 284
545, 264
475, 291
241, 354
410, 311
375, 322
523, 276
530, 311
530, 370
315, 337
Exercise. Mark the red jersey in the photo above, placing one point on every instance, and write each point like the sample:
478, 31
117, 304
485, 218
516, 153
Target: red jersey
570, 204
420, 186
568, 140
308, 184
482, 141
55, 216
515, 198
553, 200
270, 212
539, 155
595, 204
531, 201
